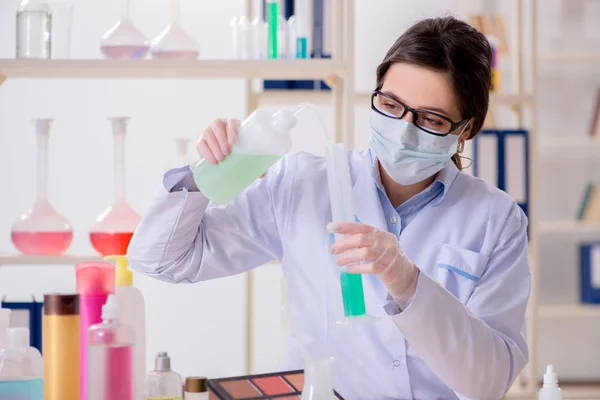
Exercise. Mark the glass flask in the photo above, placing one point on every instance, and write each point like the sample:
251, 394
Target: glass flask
174, 42
124, 41
42, 230
114, 227
34, 27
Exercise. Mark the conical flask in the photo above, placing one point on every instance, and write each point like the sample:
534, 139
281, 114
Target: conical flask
124, 41
115, 226
42, 230
174, 42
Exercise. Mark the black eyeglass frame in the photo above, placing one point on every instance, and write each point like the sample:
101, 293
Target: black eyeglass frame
453, 125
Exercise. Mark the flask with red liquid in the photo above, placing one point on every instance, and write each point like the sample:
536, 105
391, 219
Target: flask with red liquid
114, 227
42, 230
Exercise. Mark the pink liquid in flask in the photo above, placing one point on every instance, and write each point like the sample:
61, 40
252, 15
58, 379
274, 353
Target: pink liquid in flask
111, 243
42, 243
125, 52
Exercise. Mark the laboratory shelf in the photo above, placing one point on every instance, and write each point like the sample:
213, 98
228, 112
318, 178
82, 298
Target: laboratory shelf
569, 227
171, 69
567, 57
325, 97
570, 143
569, 311
67, 260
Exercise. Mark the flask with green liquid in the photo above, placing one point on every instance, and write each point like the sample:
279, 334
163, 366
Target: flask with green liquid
263, 138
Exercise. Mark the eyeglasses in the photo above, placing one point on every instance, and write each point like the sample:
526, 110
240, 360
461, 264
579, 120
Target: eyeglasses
427, 121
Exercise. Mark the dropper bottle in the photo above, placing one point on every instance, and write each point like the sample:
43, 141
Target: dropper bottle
550, 390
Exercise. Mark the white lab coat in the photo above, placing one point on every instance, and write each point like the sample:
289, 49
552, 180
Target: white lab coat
463, 335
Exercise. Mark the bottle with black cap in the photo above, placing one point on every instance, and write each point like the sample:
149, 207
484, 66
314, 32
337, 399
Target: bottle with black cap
195, 388
163, 383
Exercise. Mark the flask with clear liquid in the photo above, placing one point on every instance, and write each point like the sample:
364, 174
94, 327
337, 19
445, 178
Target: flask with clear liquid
34, 28
114, 227
264, 137
124, 41
42, 230
174, 42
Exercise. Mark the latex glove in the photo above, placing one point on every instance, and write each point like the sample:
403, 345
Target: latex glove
218, 139
364, 249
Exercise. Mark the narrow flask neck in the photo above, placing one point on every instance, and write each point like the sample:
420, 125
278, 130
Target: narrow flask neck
42, 128
119, 129
175, 7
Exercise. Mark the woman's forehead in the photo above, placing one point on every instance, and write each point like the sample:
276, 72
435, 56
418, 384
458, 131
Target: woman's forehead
421, 87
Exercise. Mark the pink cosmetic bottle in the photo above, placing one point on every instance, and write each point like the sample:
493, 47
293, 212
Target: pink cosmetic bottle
95, 281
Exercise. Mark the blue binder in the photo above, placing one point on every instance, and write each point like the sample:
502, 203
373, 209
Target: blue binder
35, 319
589, 264
502, 163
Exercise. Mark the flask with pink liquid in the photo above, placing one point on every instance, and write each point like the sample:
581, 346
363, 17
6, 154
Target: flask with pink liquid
110, 358
42, 230
95, 281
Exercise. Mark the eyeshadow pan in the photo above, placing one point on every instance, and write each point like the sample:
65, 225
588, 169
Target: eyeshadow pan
272, 385
240, 389
297, 380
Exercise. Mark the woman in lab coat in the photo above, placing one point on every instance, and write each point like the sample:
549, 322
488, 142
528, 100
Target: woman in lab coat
444, 254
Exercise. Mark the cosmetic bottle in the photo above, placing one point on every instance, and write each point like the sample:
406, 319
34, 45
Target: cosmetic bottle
162, 383
195, 388
61, 346
132, 312
4, 323
21, 367
550, 390
110, 358
95, 281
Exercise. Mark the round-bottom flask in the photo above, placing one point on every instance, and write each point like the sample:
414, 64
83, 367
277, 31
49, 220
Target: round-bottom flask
42, 230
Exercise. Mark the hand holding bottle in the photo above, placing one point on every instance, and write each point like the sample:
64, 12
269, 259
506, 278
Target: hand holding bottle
218, 139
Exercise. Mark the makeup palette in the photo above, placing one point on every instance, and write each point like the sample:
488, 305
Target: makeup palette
279, 385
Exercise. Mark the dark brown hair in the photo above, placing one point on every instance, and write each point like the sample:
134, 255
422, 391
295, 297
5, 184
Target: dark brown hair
449, 45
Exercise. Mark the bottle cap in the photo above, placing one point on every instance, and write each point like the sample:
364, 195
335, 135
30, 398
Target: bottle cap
195, 384
95, 278
550, 377
162, 362
16, 338
61, 304
110, 310
123, 276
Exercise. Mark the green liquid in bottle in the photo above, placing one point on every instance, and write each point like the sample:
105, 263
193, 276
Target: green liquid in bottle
272, 17
222, 182
352, 294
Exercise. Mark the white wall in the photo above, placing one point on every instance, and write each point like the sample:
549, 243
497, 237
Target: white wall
202, 325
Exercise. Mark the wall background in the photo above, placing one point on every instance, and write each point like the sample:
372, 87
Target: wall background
202, 325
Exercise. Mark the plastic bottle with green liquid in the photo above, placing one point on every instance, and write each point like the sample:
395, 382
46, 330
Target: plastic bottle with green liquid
263, 138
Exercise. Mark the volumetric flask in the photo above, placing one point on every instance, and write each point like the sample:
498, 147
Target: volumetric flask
42, 230
174, 42
124, 41
115, 226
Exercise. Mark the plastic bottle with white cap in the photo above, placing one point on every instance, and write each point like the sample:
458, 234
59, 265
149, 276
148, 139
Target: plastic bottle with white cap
550, 389
4, 323
163, 383
21, 367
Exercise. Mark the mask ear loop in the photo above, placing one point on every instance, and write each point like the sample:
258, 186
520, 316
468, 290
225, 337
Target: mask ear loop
461, 146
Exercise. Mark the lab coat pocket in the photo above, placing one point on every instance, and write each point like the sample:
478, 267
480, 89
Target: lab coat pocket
459, 270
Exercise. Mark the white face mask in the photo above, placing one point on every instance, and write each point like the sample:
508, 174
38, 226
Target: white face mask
408, 154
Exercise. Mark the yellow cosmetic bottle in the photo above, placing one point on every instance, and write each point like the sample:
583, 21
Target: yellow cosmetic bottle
61, 346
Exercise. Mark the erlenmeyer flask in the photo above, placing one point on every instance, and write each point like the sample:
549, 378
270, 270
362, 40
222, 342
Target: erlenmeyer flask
114, 227
174, 42
42, 230
124, 41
